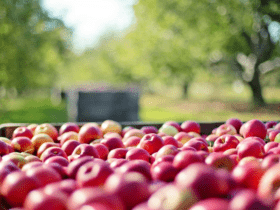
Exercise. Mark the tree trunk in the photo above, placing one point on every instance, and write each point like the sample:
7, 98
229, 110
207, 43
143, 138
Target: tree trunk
256, 88
185, 90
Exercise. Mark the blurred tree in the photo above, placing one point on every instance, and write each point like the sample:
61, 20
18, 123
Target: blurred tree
32, 45
185, 35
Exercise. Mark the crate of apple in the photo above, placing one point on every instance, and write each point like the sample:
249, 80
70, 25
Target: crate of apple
140, 166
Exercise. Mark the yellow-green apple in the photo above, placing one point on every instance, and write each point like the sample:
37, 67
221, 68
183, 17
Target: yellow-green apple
22, 131
149, 129
254, 128
117, 153
211, 204
140, 166
167, 150
111, 126
92, 195
137, 154
132, 188
67, 127
170, 140
45, 146
235, 122
85, 150
180, 199
151, 142
168, 130
219, 160
22, 144
185, 158
74, 166
112, 143
226, 129
38, 139
272, 134
47, 128
225, 142
190, 126
71, 135
51, 152
164, 171
183, 137
277, 138
89, 133
69, 146
132, 141
93, 174
38, 199
16, 186
174, 124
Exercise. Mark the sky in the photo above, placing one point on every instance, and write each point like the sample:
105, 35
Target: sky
90, 19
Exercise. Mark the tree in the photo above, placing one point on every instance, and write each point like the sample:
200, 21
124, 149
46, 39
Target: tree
32, 45
238, 32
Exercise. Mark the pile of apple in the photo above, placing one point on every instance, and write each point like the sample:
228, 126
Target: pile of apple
107, 167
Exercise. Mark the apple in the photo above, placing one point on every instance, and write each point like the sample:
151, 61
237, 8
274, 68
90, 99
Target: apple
250, 148
3, 148
131, 187
180, 199
22, 131
197, 143
232, 151
170, 140
51, 152
48, 129
219, 160
235, 122
16, 186
28, 166
277, 138
185, 158
275, 150
22, 144
112, 134
225, 142
174, 124
93, 195
190, 126
38, 139
164, 171
93, 174
32, 158
277, 126
211, 204
44, 175
85, 150
66, 186
151, 142
167, 150
32, 127
137, 154
125, 129
74, 166
69, 146
140, 166
270, 124
168, 130
183, 137
270, 160
7, 168
39, 200
59, 160
116, 163
15, 157
89, 133
166, 158
112, 143
133, 132
45, 146
270, 145
132, 141
149, 129
118, 153
111, 126
272, 134
254, 128
226, 129
68, 127
6, 140
71, 135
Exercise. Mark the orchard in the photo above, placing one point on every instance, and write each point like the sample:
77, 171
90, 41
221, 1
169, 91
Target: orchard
172, 166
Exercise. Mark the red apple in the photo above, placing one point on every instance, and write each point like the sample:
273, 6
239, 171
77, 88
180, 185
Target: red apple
225, 142
272, 134
277, 126
133, 132
74, 166
211, 204
93, 174
149, 129
170, 140
16, 186
3, 148
39, 139
270, 124
174, 124
185, 158
22, 144
111, 126
69, 146
67, 127
59, 160
226, 129
71, 135
167, 150
190, 126
51, 152
132, 141
28, 166
183, 137
89, 133
45, 146
15, 157
116, 163
112, 143
235, 122
220, 161
270, 145
270, 160
254, 128
118, 153
151, 142
164, 171
22, 131
197, 143
47, 128
125, 129
85, 150
66, 186
102, 150
131, 187
250, 148
32, 127
7, 168
137, 154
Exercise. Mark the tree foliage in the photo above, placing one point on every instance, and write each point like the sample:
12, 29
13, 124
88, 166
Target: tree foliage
32, 45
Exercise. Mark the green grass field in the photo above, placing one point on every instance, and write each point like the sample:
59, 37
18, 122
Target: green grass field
201, 107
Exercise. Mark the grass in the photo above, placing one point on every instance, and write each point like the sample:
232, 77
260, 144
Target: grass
221, 105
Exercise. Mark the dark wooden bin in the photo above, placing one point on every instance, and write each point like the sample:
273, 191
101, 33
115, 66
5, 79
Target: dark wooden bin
6, 130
